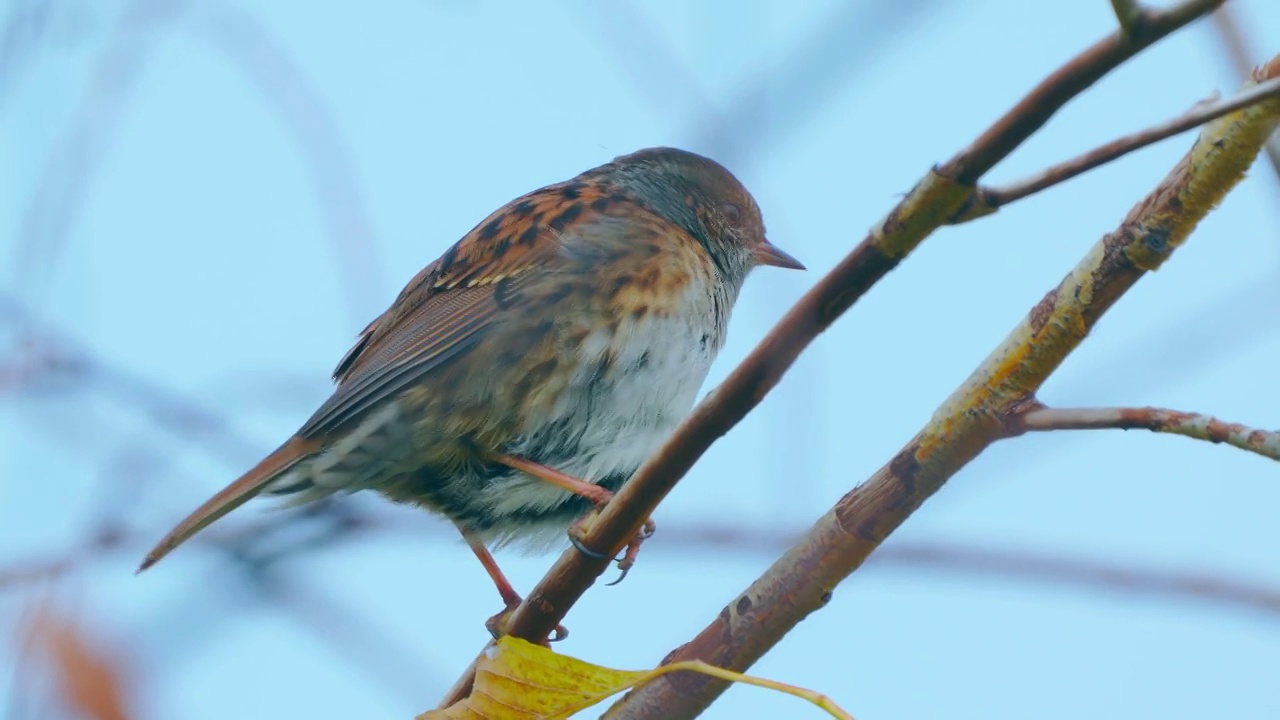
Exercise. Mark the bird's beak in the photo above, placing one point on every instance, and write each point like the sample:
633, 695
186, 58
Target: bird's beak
769, 254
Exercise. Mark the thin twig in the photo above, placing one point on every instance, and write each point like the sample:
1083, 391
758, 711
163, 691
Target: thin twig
975, 416
1034, 110
1130, 14
939, 195
1193, 425
996, 197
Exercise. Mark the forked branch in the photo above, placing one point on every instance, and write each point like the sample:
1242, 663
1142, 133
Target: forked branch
990, 199
1130, 14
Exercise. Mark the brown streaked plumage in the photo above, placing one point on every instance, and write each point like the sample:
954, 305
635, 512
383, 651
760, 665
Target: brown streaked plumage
525, 375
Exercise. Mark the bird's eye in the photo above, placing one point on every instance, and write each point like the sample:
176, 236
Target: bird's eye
731, 213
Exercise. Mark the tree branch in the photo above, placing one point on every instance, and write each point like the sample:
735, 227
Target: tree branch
974, 417
992, 198
1034, 110
1193, 425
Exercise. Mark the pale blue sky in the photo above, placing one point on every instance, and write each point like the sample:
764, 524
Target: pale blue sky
192, 246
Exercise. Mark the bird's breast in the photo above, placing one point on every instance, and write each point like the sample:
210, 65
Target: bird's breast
638, 382
633, 380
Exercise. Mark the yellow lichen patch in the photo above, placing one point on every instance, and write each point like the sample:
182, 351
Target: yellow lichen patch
1222, 154
517, 680
925, 208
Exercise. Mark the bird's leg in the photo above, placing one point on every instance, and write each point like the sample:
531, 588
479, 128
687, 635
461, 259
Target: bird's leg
510, 598
596, 494
598, 497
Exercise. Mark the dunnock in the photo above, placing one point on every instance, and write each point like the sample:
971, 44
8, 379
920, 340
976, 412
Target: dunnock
520, 379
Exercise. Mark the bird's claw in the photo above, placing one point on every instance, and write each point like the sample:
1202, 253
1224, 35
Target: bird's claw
581, 547
626, 560
629, 554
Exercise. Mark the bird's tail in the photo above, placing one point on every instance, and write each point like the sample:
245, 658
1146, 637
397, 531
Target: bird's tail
234, 495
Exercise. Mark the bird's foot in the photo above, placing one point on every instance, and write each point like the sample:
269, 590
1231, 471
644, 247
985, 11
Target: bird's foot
598, 497
578, 532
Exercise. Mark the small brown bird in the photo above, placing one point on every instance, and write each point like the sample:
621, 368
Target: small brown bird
523, 377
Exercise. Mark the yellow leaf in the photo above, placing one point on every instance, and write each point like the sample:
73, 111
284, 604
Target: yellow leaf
517, 680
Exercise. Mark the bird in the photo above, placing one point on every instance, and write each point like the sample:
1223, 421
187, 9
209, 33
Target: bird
520, 379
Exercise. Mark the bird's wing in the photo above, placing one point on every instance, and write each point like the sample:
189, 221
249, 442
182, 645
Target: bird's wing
446, 308
439, 315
